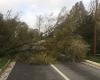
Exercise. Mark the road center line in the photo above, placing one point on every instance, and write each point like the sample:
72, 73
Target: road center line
63, 75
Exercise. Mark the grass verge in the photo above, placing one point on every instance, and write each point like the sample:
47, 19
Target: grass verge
3, 61
94, 58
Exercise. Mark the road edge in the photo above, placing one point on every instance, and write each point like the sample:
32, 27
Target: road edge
92, 63
4, 67
7, 70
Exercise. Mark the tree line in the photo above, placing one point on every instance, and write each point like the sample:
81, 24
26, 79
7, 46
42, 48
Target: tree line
74, 34
14, 34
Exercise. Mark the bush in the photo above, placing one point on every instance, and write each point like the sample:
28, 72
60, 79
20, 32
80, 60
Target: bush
23, 57
42, 58
77, 50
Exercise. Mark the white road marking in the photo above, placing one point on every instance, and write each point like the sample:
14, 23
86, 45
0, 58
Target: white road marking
63, 75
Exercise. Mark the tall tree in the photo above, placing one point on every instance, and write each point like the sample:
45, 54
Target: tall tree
95, 12
14, 34
66, 37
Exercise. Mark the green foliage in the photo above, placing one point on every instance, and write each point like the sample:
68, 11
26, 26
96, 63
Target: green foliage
77, 49
95, 58
67, 39
14, 34
71, 36
98, 28
23, 57
3, 61
42, 58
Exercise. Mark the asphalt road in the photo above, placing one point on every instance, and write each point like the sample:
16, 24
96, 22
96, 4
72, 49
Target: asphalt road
23, 71
79, 71
74, 71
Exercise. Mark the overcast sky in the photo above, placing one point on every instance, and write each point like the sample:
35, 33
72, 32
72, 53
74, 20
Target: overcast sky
28, 9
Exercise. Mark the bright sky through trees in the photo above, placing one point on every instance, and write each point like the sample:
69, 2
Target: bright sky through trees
29, 9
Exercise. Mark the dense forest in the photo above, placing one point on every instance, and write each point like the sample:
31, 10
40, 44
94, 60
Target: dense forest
73, 35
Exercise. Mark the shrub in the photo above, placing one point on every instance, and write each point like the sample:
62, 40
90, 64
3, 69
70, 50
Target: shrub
77, 50
23, 57
42, 58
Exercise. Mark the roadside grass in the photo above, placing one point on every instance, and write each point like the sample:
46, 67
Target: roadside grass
3, 61
94, 58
